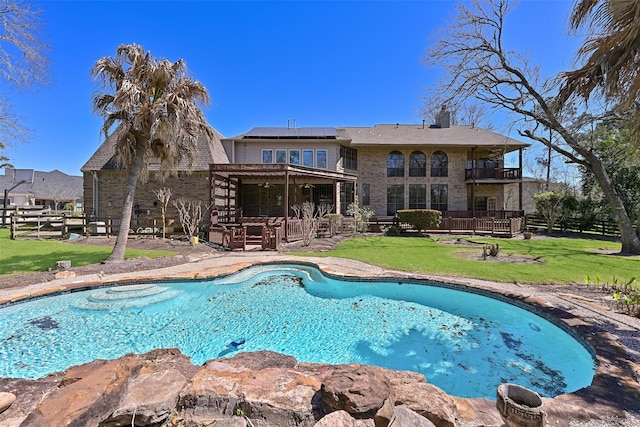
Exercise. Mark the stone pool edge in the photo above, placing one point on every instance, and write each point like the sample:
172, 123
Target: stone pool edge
614, 390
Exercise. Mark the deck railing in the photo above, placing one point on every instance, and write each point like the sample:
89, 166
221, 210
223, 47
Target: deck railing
502, 214
508, 226
493, 173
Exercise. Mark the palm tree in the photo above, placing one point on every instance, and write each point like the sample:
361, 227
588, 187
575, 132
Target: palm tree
155, 109
610, 52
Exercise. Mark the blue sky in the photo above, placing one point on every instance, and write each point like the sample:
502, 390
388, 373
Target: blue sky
324, 63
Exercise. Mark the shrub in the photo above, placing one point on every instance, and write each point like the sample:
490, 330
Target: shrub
554, 206
421, 219
361, 215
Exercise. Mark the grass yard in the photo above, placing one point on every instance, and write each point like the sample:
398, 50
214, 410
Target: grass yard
27, 256
563, 260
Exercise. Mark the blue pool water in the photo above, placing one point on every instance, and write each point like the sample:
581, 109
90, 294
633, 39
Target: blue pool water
462, 342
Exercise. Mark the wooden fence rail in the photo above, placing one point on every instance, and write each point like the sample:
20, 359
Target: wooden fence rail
53, 225
604, 228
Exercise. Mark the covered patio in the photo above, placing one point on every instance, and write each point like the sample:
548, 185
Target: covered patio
252, 203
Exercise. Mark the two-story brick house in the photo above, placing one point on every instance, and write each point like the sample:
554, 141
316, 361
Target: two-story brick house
456, 169
459, 170
262, 173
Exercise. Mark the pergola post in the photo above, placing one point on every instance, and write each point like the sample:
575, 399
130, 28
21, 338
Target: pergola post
286, 205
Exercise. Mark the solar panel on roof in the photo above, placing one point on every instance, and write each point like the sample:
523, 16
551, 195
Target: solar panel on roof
281, 132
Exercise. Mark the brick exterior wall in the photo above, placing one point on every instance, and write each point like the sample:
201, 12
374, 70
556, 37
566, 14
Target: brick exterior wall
372, 170
111, 184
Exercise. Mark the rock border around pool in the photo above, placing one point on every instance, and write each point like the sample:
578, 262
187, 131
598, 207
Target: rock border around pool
613, 392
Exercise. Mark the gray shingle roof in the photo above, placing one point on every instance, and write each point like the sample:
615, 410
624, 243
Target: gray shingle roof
415, 134
291, 133
208, 152
54, 185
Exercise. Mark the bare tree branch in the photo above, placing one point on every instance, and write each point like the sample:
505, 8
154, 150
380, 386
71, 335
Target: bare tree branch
23, 62
23, 54
477, 66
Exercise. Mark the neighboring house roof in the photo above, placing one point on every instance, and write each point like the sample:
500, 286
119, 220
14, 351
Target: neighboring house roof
399, 134
54, 185
208, 152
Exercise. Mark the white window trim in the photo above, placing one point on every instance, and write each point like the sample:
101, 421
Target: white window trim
313, 157
292, 150
273, 158
326, 158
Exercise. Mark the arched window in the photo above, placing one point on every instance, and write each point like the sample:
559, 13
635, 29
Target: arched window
395, 164
417, 164
439, 164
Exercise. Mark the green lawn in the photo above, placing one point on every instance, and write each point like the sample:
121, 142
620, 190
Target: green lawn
27, 256
566, 260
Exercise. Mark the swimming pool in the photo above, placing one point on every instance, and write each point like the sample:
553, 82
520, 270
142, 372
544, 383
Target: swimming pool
465, 343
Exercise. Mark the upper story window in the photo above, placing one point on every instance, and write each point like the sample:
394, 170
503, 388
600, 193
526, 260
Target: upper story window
417, 164
321, 159
267, 156
307, 158
439, 164
488, 164
349, 157
281, 156
395, 164
294, 157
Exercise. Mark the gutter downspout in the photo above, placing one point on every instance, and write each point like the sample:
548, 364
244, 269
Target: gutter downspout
95, 193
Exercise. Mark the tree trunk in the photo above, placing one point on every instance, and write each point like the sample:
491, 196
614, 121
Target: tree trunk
117, 255
629, 234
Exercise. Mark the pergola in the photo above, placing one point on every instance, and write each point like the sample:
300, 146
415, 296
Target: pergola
228, 181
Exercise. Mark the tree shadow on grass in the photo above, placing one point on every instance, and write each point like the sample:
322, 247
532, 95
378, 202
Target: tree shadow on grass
15, 264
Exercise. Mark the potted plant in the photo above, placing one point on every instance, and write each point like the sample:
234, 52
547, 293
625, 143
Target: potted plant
520, 407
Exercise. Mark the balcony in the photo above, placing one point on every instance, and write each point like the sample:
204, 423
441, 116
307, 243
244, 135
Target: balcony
492, 174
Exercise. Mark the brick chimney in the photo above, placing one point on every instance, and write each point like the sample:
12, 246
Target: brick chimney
443, 118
